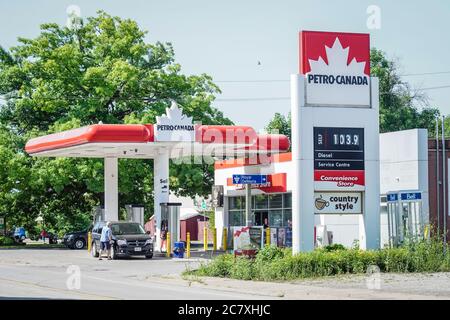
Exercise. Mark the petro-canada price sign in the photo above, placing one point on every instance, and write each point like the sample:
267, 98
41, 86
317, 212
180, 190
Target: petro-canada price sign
338, 158
337, 75
337, 68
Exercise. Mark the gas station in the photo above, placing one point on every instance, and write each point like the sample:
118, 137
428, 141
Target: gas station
174, 136
330, 178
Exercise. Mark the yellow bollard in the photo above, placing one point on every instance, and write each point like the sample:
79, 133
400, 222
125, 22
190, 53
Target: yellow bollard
224, 239
214, 239
188, 245
168, 245
427, 229
268, 236
205, 239
89, 241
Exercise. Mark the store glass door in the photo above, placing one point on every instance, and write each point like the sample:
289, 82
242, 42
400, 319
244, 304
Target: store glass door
261, 218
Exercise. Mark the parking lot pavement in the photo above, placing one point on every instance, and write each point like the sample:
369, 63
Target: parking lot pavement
51, 273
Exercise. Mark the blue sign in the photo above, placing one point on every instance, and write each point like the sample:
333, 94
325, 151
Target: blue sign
249, 178
411, 196
392, 197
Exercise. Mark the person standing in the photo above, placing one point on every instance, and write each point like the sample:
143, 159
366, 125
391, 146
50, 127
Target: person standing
163, 235
43, 235
105, 241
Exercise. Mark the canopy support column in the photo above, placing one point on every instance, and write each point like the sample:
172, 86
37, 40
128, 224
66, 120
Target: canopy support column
303, 187
161, 189
111, 189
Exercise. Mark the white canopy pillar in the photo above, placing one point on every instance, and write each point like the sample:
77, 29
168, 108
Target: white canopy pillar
303, 187
111, 189
161, 188
369, 222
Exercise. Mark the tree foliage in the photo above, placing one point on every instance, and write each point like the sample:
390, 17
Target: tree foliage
100, 70
401, 107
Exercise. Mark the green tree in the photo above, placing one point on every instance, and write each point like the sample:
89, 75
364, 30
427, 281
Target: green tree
280, 124
401, 107
99, 70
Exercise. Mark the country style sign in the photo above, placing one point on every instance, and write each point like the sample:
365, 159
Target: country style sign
336, 67
337, 202
174, 126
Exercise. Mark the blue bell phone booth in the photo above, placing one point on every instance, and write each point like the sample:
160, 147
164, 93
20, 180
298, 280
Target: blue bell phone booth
405, 216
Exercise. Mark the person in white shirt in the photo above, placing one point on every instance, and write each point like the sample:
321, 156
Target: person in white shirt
105, 240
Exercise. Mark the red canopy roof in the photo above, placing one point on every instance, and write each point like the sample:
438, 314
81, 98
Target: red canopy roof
94, 140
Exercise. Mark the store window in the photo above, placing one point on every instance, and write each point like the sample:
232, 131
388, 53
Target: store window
276, 218
275, 207
236, 218
276, 201
236, 203
261, 201
287, 218
287, 199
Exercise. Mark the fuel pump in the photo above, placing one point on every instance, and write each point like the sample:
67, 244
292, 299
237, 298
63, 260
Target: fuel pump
405, 216
98, 213
170, 218
135, 213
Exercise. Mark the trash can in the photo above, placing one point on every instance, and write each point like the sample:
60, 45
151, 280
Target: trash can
178, 250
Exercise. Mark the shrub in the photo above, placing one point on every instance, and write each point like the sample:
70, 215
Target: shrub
219, 267
334, 247
6, 241
243, 268
269, 253
274, 263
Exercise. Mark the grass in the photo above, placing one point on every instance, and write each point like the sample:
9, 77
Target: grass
272, 263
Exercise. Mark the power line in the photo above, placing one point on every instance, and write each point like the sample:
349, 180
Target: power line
251, 99
243, 99
433, 88
287, 80
249, 81
287, 98
424, 73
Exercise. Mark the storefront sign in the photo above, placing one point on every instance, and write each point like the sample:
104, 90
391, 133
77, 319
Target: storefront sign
336, 67
174, 126
392, 197
337, 203
281, 241
249, 178
247, 238
338, 158
411, 196
275, 183
288, 242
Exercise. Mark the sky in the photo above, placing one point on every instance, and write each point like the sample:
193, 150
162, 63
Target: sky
250, 48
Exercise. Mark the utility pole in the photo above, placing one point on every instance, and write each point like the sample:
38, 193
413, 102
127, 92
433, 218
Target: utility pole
444, 182
248, 205
438, 211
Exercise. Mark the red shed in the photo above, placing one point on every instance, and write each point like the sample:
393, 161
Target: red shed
189, 222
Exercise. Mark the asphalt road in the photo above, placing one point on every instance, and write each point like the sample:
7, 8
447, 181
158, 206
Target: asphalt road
52, 274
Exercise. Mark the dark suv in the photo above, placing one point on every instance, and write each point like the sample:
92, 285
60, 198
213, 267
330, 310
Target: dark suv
76, 239
129, 239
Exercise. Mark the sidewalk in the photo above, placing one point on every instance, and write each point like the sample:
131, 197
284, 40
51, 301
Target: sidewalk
196, 254
300, 290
